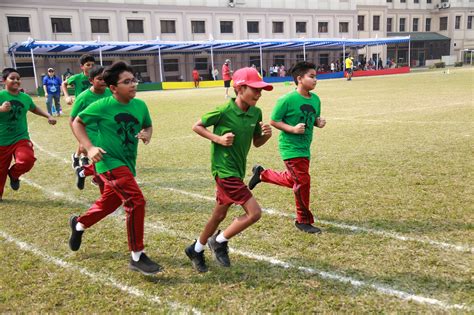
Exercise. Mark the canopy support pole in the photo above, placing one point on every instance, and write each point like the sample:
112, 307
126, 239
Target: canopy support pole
34, 67
212, 63
100, 51
304, 51
14, 60
377, 62
261, 61
344, 57
409, 54
159, 63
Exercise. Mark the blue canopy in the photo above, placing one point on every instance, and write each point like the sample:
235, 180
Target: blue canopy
64, 48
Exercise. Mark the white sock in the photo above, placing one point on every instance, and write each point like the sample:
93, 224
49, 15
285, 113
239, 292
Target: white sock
220, 238
198, 247
79, 227
76, 156
136, 255
81, 174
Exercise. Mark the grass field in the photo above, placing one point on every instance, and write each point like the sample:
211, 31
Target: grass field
392, 189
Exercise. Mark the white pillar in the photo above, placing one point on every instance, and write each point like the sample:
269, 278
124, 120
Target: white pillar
261, 61
100, 51
34, 67
159, 63
409, 57
212, 63
344, 57
304, 51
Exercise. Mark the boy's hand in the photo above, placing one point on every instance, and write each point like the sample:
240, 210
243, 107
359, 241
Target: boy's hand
51, 120
320, 122
69, 100
95, 154
226, 139
6, 106
299, 128
266, 129
144, 135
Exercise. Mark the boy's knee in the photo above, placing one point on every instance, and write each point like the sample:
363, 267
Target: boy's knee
219, 216
255, 216
136, 202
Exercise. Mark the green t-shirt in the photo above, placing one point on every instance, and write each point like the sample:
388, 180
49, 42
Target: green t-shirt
85, 99
13, 124
118, 126
80, 81
292, 109
231, 161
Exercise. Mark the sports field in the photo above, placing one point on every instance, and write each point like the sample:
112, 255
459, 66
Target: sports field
392, 189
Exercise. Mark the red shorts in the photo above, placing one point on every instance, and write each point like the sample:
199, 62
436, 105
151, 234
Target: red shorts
231, 190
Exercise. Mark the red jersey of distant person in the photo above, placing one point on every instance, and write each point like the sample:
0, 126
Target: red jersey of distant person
195, 75
226, 72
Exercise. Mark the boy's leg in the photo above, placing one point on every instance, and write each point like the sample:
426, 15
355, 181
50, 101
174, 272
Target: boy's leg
298, 168
253, 212
278, 178
6, 157
24, 160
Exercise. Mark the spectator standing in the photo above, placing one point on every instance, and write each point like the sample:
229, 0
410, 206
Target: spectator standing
226, 76
52, 91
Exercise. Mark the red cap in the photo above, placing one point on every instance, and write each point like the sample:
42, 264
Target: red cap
250, 77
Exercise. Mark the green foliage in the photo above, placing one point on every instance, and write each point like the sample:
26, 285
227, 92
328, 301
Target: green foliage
440, 64
458, 64
393, 157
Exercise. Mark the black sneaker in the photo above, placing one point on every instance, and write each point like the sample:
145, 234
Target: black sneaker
308, 228
198, 260
14, 183
220, 250
75, 161
144, 265
255, 179
76, 236
84, 161
80, 180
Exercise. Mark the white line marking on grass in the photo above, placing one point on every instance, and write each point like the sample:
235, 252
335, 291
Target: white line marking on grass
397, 236
276, 262
100, 277
37, 146
354, 228
383, 121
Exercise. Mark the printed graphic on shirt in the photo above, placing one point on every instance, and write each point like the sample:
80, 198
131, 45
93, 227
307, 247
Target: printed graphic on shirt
308, 115
15, 113
128, 128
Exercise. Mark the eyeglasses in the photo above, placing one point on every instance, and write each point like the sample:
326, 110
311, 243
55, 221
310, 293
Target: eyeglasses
129, 81
50, 70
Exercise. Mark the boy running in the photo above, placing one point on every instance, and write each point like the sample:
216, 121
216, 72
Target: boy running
236, 125
81, 83
14, 138
97, 91
121, 120
295, 114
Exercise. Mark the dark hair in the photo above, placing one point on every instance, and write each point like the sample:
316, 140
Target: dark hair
300, 69
86, 58
111, 73
95, 71
6, 72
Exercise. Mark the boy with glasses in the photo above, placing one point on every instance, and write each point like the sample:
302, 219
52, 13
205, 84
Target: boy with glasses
122, 121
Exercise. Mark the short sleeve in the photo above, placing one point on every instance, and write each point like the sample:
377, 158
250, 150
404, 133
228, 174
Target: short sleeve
147, 118
45, 80
92, 114
77, 107
280, 109
211, 118
71, 79
31, 104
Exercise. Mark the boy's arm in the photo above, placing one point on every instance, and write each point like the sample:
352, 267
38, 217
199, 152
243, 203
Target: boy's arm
225, 140
38, 111
280, 125
259, 140
66, 94
79, 130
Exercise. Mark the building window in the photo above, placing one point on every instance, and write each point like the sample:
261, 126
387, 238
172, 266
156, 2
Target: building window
416, 1
100, 26
389, 1
170, 65
139, 66
457, 22
254, 60
252, 27
428, 25
227, 27
300, 57
168, 26
389, 24
323, 59
322, 27
200, 63
443, 23
61, 25
198, 27
360, 22
20, 24
343, 27
277, 27
415, 24
469, 22
135, 26
428, 1
403, 1
25, 69
402, 24
279, 60
376, 22
300, 27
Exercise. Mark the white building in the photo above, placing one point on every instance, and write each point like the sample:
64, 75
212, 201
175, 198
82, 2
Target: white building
438, 27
